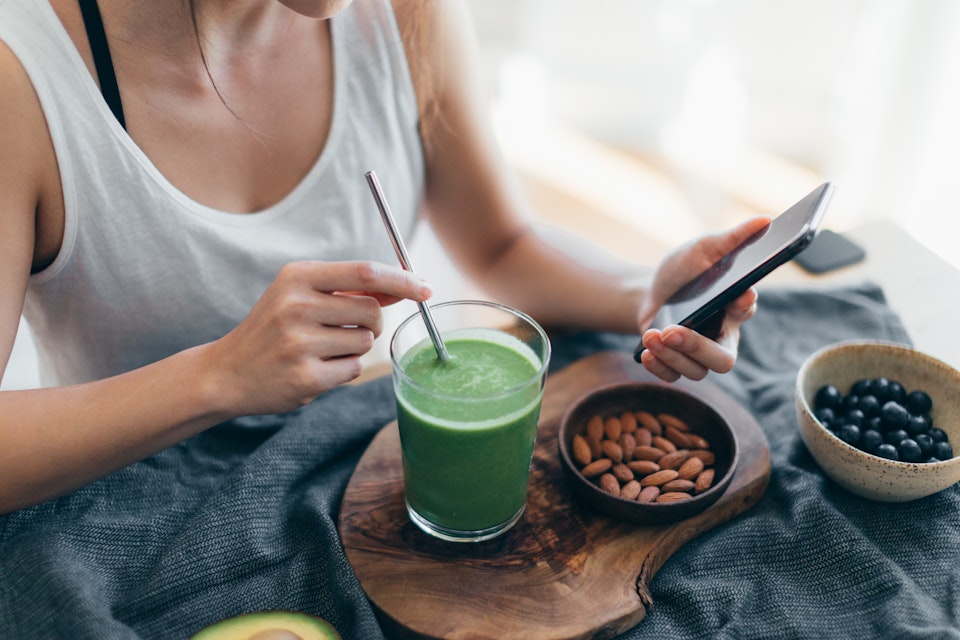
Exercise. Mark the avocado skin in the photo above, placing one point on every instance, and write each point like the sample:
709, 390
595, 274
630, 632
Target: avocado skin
248, 625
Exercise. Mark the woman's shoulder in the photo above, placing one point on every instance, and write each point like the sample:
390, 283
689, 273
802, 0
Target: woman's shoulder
19, 105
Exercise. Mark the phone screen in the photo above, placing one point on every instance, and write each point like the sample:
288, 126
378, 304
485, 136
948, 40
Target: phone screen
699, 304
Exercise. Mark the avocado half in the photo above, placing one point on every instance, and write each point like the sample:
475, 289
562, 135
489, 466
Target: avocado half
269, 625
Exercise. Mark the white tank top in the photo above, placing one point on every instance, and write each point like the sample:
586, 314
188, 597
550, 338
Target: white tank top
144, 271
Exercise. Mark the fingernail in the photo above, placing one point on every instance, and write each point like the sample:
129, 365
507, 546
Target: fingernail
425, 289
672, 339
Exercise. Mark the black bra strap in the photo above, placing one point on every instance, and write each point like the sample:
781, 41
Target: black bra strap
101, 57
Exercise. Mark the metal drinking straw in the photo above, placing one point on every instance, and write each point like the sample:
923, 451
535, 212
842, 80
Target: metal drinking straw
398, 246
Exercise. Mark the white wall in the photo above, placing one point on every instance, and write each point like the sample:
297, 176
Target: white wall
862, 92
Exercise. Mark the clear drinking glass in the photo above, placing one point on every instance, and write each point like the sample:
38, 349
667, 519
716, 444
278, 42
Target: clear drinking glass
468, 425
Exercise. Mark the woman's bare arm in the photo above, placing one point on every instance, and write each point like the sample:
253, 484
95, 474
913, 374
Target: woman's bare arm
478, 211
303, 337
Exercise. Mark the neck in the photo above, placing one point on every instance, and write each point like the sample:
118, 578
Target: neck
228, 30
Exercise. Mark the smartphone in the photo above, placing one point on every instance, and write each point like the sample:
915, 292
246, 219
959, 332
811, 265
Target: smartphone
828, 251
700, 303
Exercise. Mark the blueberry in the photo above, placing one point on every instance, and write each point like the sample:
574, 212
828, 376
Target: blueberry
919, 403
870, 440
931, 460
861, 387
825, 416
878, 416
909, 451
881, 389
849, 403
917, 425
896, 436
827, 396
887, 451
894, 414
869, 405
854, 416
849, 433
896, 392
943, 450
926, 444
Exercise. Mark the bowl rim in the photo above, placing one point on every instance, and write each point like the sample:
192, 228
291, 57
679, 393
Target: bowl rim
868, 343
715, 492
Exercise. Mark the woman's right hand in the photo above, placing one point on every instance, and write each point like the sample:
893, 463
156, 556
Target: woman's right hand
306, 333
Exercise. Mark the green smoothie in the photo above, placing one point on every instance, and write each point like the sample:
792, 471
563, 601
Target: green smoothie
467, 428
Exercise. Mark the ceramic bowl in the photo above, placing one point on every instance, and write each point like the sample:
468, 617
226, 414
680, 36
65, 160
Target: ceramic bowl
862, 473
652, 398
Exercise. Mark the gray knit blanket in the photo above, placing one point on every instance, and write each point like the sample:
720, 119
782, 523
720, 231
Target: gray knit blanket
243, 517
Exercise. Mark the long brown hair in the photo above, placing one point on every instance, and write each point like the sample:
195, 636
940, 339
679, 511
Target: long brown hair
416, 24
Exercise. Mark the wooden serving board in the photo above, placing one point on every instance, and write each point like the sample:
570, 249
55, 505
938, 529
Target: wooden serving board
563, 571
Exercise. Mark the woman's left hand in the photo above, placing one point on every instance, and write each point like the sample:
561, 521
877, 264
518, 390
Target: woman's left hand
675, 351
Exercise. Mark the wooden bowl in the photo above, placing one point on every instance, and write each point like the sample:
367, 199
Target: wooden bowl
856, 470
652, 398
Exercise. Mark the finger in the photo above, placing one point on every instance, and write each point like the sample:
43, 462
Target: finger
689, 353
672, 359
652, 364
720, 244
382, 299
336, 371
329, 343
324, 309
360, 310
367, 276
744, 307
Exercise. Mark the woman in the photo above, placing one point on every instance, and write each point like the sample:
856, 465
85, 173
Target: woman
185, 224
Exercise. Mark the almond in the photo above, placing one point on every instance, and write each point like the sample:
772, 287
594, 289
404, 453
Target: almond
628, 443
581, 450
697, 442
628, 421
649, 422
668, 420
643, 467
690, 469
612, 427
612, 450
647, 453
596, 451
685, 486
643, 436
595, 429
704, 481
660, 477
595, 468
622, 472
678, 438
648, 494
662, 443
674, 459
708, 457
673, 496
631, 490
609, 484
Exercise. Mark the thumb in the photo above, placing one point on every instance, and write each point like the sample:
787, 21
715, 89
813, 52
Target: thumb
720, 244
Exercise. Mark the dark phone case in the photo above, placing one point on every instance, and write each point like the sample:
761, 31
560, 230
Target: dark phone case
704, 319
828, 251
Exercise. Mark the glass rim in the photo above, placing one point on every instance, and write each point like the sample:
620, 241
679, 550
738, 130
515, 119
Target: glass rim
520, 315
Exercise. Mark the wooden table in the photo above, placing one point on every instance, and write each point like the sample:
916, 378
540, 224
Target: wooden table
922, 287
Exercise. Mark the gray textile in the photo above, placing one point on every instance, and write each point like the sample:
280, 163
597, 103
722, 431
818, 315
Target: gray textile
243, 517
